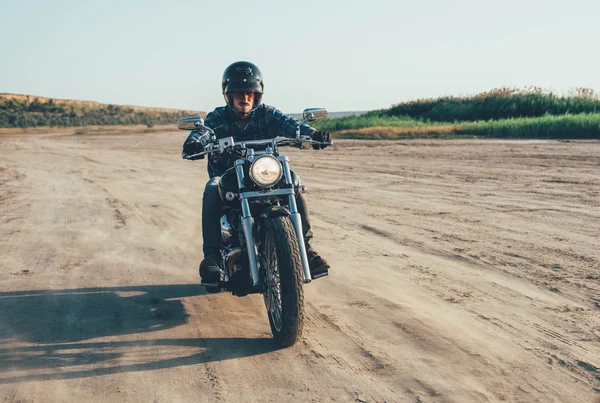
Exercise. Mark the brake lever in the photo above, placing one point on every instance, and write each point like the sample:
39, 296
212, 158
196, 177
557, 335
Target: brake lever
194, 157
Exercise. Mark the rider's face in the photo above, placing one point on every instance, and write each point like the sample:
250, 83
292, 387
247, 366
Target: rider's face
243, 101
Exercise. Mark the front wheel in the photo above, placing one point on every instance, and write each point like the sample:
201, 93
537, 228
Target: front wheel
283, 279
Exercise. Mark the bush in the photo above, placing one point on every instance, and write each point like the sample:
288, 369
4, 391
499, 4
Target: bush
498, 104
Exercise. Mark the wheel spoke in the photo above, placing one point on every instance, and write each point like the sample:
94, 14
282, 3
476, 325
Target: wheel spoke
272, 294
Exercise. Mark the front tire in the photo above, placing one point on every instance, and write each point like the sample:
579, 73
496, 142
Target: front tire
283, 279
212, 290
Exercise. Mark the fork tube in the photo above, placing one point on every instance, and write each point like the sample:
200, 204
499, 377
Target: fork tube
296, 219
248, 226
239, 169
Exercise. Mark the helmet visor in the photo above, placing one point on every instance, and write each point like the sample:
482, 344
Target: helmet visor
243, 86
230, 100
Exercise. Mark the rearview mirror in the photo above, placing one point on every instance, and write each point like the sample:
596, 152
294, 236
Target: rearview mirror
190, 123
311, 114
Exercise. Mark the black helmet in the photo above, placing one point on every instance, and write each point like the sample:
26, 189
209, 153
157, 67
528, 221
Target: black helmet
242, 77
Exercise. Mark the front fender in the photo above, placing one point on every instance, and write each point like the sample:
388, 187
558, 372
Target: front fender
274, 211
270, 212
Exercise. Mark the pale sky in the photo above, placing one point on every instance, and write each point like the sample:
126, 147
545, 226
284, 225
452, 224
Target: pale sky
342, 55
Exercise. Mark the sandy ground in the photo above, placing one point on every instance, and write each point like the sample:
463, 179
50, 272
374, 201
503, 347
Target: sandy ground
464, 271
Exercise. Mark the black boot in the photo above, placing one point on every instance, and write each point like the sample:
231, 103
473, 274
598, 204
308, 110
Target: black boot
209, 268
318, 266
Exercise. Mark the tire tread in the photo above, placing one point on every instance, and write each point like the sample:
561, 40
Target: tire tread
291, 277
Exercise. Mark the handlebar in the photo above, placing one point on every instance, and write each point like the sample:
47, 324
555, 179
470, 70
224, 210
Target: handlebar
223, 144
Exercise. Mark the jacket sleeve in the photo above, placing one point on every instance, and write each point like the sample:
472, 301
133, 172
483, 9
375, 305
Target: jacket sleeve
215, 120
203, 136
286, 125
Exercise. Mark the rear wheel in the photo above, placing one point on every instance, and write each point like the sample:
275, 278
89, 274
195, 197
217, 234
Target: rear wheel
283, 279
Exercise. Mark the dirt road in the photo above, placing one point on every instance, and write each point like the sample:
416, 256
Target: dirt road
464, 271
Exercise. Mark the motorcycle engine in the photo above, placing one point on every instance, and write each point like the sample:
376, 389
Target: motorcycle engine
237, 266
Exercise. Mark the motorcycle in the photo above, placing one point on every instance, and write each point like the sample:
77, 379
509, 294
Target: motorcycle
262, 242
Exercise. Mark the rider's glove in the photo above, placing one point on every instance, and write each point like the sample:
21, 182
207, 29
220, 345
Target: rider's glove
195, 143
193, 147
325, 137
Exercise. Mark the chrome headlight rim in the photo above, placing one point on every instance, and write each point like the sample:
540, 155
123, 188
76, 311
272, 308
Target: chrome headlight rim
262, 160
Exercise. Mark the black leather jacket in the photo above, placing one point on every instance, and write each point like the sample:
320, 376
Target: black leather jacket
265, 122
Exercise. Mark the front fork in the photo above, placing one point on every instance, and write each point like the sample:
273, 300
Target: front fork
296, 219
248, 227
248, 223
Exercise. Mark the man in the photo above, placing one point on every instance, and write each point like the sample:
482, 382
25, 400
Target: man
244, 118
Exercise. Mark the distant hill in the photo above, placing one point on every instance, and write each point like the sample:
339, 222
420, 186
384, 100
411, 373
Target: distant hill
18, 110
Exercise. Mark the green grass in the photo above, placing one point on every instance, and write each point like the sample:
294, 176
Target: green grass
368, 120
577, 126
580, 126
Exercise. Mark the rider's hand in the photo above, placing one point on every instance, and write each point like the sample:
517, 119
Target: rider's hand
193, 147
325, 137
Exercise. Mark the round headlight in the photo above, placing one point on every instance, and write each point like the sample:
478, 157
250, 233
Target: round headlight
265, 171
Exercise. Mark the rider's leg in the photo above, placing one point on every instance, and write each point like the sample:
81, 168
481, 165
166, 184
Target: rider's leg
318, 265
211, 231
305, 217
